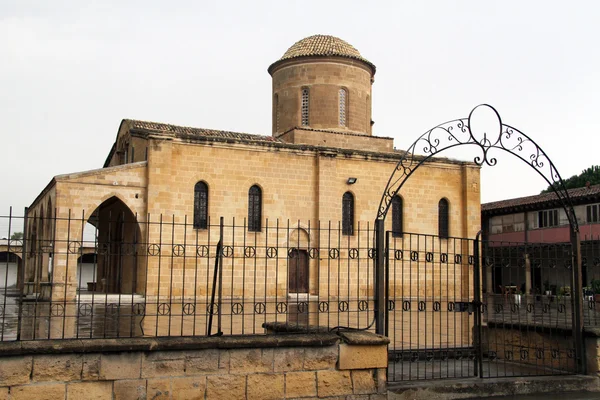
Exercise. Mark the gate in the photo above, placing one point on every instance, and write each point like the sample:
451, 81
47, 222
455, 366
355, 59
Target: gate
461, 308
431, 314
508, 329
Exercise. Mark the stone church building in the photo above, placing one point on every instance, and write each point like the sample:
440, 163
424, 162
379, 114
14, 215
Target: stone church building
321, 165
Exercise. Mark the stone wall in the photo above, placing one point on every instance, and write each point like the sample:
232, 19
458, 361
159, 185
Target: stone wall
350, 366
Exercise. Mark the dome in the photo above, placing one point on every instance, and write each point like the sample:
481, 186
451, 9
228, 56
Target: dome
322, 46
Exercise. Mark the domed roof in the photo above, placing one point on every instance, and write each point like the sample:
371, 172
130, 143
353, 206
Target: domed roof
322, 46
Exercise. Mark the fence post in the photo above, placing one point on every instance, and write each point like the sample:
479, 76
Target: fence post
477, 303
577, 302
379, 277
23, 266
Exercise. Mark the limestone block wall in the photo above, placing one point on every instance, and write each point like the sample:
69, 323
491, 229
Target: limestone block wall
324, 366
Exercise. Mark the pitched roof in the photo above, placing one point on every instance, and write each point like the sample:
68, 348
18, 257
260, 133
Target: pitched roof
540, 201
323, 46
185, 130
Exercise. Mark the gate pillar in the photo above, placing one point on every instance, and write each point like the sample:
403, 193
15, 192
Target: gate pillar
380, 285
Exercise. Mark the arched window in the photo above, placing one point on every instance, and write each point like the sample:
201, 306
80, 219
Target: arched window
443, 215
200, 205
397, 216
304, 110
348, 214
343, 96
254, 209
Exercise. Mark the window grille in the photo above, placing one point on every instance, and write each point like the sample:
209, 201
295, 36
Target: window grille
397, 216
348, 214
343, 107
200, 205
305, 107
592, 213
443, 214
254, 209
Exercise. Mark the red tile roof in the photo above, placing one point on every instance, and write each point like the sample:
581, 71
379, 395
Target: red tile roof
540, 201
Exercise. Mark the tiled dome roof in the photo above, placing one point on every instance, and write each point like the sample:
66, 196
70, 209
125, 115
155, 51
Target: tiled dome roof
322, 45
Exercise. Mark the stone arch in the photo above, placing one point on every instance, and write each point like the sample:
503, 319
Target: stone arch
117, 235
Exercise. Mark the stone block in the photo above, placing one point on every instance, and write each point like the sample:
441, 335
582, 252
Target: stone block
226, 387
4, 393
101, 390
251, 360
265, 386
333, 383
362, 357
363, 382
290, 359
57, 367
40, 391
300, 384
158, 389
91, 367
120, 366
188, 388
382, 380
155, 366
378, 397
320, 358
15, 370
202, 362
134, 389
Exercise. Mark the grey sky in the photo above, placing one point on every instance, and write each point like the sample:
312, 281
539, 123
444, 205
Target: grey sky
71, 70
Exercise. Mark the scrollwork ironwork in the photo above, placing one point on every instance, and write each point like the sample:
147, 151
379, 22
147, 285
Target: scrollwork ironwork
467, 131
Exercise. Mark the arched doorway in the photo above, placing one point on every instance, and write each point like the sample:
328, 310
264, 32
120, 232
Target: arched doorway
115, 236
484, 130
10, 268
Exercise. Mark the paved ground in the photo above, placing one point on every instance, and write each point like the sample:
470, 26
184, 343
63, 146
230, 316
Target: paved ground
547, 396
406, 371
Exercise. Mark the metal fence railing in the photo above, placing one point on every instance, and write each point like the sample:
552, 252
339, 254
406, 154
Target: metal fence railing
113, 274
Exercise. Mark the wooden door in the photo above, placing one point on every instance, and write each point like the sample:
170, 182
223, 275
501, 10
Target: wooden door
298, 271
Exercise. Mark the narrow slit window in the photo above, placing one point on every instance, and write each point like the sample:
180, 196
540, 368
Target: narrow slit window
254, 209
348, 214
276, 109
343, 111
305, 102
200, 205
443, 215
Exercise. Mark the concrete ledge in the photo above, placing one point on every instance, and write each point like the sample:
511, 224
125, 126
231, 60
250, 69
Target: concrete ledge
477, 387
166, 343
285, 327
362, 338
591, 331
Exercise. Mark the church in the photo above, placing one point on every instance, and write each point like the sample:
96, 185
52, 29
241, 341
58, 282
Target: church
316, 179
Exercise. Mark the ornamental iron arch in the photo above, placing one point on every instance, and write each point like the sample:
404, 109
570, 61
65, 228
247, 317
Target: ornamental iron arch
487, 138
463, 132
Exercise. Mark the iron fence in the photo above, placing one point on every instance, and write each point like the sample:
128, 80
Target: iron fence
110, 275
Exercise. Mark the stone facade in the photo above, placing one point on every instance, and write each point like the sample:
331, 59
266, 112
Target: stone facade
150, 173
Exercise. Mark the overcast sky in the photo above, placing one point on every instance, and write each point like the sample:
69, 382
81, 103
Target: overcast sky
70, 71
